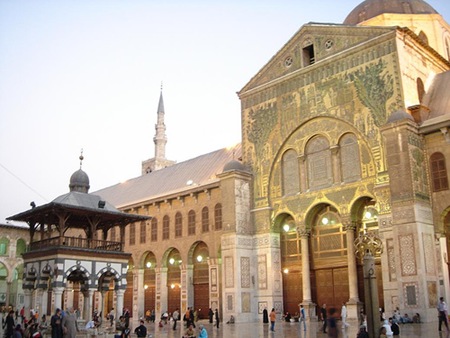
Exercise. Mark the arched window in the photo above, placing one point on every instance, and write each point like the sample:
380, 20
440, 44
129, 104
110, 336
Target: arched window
143, 233
166, 232
420, 89
438, 172
350, 160
21, 247
423, 37
178, 224
191, 222
132, 233
154, 230
218, 216
291, 176
318, 157
329, 240
205, 219
4, 243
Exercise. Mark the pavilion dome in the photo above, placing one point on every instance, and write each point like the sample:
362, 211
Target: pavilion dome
79, 181
369, 9
399, 115
234, 165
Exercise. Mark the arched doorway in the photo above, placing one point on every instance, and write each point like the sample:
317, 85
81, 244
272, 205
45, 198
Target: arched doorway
149, 281
173, 280
291, 263
76, 281
329, 264
201, 279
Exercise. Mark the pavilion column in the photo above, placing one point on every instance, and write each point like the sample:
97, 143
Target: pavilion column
8, 294
27, 301
119, 302
58, 291
353, 303
87, 304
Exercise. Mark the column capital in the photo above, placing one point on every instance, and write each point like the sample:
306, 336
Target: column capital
303, 232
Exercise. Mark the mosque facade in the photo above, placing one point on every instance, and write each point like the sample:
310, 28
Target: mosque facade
345, 136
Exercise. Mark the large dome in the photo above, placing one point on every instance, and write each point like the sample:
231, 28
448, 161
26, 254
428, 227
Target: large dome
371, 8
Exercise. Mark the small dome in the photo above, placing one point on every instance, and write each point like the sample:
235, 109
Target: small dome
369, 9
234, 165
79, 181
398, 116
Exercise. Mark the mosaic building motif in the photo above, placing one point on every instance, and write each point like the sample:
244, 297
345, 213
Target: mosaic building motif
407, 255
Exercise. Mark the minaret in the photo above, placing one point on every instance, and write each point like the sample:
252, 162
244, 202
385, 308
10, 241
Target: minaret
160, 140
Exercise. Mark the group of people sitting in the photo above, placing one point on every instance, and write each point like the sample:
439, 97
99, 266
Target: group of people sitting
405, 319
190, 332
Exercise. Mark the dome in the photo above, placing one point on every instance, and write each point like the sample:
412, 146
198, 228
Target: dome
398, 116
234, 165
369, 9
79, 181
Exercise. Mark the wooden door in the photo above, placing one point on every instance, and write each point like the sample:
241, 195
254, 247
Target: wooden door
201, 300
292, 291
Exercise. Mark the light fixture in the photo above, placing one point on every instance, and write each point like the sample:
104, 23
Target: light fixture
149, 264
286, 270
368, 214
171, 261
325, 221
172, 286
145, 286
199, 258
286, 227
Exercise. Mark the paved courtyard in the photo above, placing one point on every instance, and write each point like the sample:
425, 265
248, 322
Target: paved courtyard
283, 329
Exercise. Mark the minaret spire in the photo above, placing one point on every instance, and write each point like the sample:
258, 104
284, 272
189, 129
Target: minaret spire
160, 141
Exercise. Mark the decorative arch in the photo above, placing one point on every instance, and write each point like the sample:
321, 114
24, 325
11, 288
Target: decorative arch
83, 272
4, 246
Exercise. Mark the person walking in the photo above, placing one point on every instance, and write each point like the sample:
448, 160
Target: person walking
216, 314
302, 317
175, 317
273, 318
265, 316
69, 324
344, 316
323, 315
443, 313
210, 315
9, 325
332, 324
55, 324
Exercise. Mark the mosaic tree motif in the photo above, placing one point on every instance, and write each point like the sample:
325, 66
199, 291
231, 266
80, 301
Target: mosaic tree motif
374, 89
260, 124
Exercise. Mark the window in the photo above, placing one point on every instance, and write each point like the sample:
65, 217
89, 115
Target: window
178, 225
21, 247
132, 234
308, 55
191, 222
166, 222
205, 219
318, 156
438, 172
423, 37
143, 232
154, 230
218, 216
290, 170
349, 156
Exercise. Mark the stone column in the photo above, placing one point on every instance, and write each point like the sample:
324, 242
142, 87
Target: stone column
140, 295
87, 304
443, 251
187, 286
58, 291
302, 169
27, 301
335, 163
214, 283
8, 294
119, 302
353, 304
306, 280
161, 291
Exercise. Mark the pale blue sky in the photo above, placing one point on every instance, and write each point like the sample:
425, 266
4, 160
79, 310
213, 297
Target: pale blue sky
87, 74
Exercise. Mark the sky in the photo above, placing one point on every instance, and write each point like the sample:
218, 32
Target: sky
87, 74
